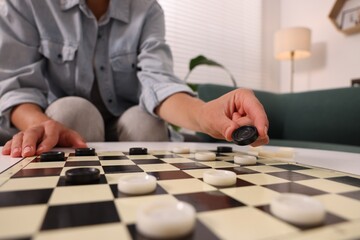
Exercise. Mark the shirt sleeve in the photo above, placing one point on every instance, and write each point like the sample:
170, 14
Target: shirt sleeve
21, 65
157, 78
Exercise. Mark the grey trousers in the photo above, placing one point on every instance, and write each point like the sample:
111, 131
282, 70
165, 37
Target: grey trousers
82, 116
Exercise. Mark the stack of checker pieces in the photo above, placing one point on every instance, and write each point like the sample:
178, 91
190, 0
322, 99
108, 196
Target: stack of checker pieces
36, 201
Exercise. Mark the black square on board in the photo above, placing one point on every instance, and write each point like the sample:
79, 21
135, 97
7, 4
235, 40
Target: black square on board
347, 180
62, 181
169, 175
83, 214
290, 167
122, 169
354, 195
291, 187
239, 170
38, 172
24, 197
209, 201
147, 161
291, 176
81, 163
167, 156
113, 157
190, 165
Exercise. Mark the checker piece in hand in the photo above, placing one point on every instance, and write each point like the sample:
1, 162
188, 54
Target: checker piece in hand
245, 135
82, 175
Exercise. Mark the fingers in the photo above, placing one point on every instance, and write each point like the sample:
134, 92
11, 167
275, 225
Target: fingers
30, 139
245, 109
79, 143
47, 135
6, 150
246, 104
50, 138
74, 140
231, 126
56, 134
254, 109
23, 144
260, 141
262, 126
16, 145
239, 121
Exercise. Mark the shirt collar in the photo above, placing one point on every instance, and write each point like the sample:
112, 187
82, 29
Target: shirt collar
118, 9
67, 4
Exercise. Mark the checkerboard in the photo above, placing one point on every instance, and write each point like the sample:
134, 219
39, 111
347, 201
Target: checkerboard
37, 203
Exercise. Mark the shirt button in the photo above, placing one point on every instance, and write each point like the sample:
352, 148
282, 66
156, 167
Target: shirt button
102, 68
109, 100
99, 36
59, 56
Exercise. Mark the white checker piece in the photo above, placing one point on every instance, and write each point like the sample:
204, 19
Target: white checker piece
205, 156
298, 209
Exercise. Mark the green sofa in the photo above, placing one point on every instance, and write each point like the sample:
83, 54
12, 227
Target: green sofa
323, 119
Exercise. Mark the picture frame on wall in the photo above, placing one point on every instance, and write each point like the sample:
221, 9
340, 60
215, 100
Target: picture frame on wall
345, 15
350, 18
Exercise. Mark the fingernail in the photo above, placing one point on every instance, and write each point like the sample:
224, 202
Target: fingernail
15, 152
27, 149
227, 133
266, 130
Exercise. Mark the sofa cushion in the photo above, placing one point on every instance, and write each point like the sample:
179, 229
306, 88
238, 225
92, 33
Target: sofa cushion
330, 116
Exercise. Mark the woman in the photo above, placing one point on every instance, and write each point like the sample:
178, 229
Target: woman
77, 71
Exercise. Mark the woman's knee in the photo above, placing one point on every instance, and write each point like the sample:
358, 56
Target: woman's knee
80, 115
137, 125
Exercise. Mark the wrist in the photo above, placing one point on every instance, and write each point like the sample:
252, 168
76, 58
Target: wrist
26, 115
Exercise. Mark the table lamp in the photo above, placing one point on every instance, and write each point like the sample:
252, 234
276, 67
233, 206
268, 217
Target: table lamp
290, 44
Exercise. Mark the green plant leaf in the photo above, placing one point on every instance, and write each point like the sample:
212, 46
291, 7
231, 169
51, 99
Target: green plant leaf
202, 60
193, 86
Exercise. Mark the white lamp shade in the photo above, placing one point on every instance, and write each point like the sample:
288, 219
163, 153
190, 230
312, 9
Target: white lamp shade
294, 41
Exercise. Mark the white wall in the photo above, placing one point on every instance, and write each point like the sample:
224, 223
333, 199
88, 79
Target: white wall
191, 30
227, 31
270, 24
335, 56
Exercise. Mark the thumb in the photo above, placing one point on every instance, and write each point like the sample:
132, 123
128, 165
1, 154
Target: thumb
74, 140
79, 144
228, 126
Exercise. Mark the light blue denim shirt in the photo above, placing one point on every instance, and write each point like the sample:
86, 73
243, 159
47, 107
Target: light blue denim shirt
55, 48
